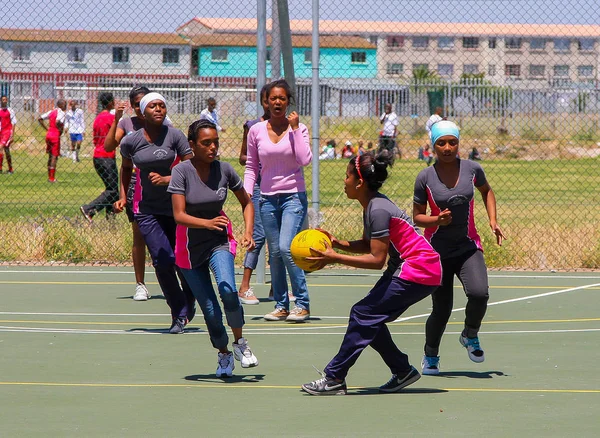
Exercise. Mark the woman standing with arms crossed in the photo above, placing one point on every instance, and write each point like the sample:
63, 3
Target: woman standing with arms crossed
448, 187
277, 150
154, 149
198, 190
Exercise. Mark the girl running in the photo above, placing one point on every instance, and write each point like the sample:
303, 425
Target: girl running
204, 240
278, 148
413, 272
154, 149
448, 187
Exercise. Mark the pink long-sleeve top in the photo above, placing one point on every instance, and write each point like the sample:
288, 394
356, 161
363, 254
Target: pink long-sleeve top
279, 164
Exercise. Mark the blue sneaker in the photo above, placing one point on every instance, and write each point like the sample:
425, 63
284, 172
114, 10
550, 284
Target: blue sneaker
473, 348
430, 365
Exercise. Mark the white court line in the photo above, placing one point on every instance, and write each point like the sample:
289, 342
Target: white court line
137, 314
533, 275
267, 331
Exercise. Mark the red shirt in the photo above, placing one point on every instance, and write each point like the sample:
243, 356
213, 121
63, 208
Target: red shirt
102, 125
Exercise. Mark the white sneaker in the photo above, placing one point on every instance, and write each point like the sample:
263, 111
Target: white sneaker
248, 297
242, 352
141, 293
225, 364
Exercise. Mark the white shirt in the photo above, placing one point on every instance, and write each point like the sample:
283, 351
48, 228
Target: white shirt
211, 116
433, 119
390, 121
75, 122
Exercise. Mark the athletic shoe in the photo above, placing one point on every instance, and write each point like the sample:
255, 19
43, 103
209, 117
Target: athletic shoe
430, 365
52, 180
396, 383
325, 386
225, 364
178, 326
242, 352
10, 172
298, 314
473, 348
141, 293
86, 214
248, 297
279, 314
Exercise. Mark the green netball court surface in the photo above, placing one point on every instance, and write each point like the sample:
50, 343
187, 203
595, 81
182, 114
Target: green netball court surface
80, 358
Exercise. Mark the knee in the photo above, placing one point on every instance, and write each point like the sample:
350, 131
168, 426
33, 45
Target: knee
478, 293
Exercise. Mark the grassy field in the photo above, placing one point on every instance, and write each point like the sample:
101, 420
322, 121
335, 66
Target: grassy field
545, 208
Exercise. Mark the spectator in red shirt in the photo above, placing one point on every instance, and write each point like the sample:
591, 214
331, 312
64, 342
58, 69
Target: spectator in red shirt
105, 163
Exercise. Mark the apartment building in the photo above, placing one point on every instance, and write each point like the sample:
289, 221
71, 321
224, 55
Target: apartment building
533, 55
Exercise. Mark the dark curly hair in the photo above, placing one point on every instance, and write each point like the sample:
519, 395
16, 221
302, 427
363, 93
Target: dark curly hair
197, 126
281, 83
373, 168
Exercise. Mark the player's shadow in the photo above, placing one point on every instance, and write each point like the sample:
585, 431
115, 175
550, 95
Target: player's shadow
470, 374
212, 378
164, 331
375, 391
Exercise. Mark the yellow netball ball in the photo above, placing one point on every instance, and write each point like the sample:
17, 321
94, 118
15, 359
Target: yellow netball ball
300, 248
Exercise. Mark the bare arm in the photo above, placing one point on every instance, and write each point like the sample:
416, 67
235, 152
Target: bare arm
182, 218
42, 123
115, 134
489, 200
244, 149
125, 177
248, 212
374, 259
425, 221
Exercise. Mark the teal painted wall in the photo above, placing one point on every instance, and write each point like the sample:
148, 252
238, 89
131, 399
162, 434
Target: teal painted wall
335, 63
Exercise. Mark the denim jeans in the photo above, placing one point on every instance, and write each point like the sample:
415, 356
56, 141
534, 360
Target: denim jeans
258, 234
282, 217
221, 265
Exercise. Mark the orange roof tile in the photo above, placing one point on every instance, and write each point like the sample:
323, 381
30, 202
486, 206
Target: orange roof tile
249, 40
246, 25
86, 36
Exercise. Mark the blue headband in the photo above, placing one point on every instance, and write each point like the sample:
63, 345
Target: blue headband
442, 128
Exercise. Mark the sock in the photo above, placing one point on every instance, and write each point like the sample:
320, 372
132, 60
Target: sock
51, 173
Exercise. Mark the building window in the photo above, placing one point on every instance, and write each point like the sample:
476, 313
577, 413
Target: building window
492, 42
219, 55
445, 70
120, 55
513, 43
420, 67
420, 42
394, 68
21, 53
21, 89
561, 71
268, 55
512, 70
492, 70
170, 56
358, 57
585, 45
308, 56
470, 42
537, 71
445, 43
537, 44
470, 69
585, 71
395, 41
562, 45
76, 54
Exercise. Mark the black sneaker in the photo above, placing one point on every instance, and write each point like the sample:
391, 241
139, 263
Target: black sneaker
177, 326
325, 386
88, 214
396, 383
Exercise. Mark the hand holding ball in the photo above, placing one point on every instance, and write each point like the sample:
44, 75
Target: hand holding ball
300, 248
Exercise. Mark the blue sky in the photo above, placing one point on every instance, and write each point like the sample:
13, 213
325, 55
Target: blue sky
167, 15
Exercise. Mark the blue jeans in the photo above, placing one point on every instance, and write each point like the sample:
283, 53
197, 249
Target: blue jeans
258, 234
221, 265
282, 217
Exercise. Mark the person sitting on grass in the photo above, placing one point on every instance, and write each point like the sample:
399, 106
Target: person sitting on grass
414, 271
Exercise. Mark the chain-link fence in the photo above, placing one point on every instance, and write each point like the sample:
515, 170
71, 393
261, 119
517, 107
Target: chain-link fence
523, 88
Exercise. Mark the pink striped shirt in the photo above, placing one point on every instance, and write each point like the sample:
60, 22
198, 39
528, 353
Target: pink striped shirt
280, 164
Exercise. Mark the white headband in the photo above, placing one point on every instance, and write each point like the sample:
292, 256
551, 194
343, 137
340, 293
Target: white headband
149, 98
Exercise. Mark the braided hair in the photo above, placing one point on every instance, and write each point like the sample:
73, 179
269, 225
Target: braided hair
372, 168
197, 126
